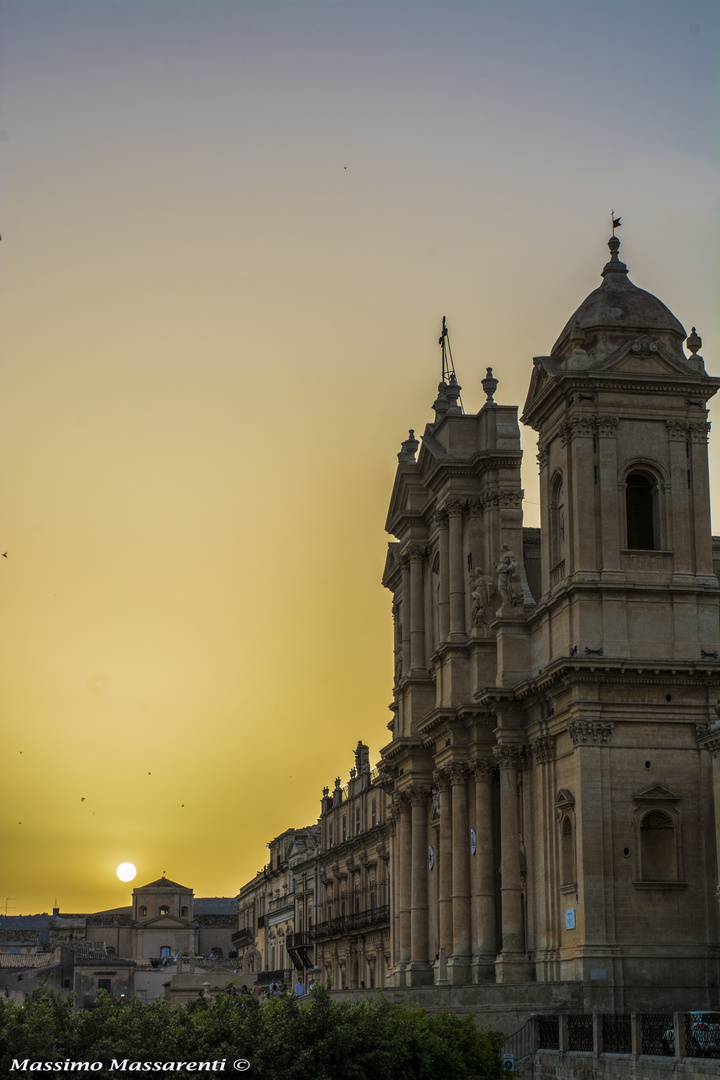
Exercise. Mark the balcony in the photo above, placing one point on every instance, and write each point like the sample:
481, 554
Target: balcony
348, 924
243, 937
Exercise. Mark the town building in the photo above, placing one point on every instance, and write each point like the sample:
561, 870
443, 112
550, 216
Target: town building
132, 950
320, 907
551, 796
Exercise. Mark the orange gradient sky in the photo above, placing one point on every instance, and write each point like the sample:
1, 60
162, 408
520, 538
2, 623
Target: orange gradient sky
230, 233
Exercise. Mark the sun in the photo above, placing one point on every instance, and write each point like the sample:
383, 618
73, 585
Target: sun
126, 871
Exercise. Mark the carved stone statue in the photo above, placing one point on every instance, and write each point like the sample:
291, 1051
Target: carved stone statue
506, 572
481, 590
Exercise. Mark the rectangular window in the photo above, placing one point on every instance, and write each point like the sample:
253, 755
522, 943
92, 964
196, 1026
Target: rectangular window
105, 984
373, 812
344, 824
330, 834
357, 820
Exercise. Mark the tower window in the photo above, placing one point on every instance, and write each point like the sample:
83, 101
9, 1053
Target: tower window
164, 909
640, 503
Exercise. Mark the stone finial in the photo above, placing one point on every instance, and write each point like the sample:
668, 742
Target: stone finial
452, 393
408, 449
337, 782
694, 341
489, 385
614, 266
441, 403
577, 336
326, 792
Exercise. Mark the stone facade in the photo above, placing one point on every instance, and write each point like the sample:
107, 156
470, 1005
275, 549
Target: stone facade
551, 799
352, 931
321, 904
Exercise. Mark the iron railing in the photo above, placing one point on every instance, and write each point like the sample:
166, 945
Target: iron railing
616, 1034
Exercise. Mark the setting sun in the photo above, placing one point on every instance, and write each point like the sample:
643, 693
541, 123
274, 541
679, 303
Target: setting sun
126, 871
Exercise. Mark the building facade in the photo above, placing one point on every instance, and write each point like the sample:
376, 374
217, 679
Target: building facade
551, 797
320, 907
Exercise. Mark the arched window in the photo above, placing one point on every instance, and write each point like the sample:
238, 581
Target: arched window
143, 912
567, 855
184, 911
657, 847
164, 909
641, 512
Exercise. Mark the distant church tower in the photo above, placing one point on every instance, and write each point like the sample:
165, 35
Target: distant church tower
551, 796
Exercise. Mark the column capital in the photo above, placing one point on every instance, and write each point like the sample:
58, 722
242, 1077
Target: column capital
687, 430
586, 732
441, 780
441, 518
509, 757
458, 772
483, 768
710, 740
418, 795
455, 508
543, 748
415, 552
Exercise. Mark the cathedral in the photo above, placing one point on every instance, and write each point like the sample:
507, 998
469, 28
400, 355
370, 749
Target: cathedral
550, 771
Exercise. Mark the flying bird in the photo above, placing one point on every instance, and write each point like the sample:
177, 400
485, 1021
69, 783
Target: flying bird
4, 554
82, 798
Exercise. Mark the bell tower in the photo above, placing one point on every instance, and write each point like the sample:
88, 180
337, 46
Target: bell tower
620, 412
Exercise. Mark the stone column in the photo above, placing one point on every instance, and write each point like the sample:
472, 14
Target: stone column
417, 609
459, 962
444, 858
711, 742
404, 877
484, 945
405, 613
606, 440
679, 520
420, 972
457, 569
444, 583
510, 965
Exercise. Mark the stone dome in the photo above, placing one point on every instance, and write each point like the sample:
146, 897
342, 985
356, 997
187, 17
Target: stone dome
615, 311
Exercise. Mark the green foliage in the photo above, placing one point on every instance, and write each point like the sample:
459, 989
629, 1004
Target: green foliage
318, 1039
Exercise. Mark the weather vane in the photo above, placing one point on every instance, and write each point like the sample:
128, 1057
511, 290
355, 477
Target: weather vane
616, 223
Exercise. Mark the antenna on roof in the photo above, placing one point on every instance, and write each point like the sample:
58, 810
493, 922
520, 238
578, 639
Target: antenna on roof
448, 366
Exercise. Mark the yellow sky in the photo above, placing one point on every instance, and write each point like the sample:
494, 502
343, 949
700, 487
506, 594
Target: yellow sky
231, 232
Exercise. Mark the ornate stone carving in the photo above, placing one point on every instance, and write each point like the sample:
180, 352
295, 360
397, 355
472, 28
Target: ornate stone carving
583, 732
455, 509
458, 772
607, 425
481, 591
687, 430
441, 780
543, 748
506, 570
418, 795
483, 768
441, 519
587, 425
416, 552
644, 345
509, 757
542, 456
